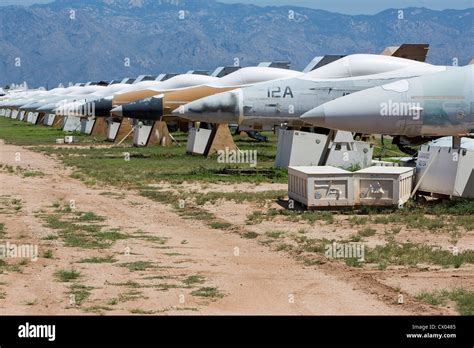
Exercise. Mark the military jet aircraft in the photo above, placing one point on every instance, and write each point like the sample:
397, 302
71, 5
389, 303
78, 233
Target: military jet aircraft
163, 102
285, 100
103, 106
78, 106
414, 110
33, 100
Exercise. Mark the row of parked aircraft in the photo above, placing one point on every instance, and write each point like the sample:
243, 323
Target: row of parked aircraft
373, 94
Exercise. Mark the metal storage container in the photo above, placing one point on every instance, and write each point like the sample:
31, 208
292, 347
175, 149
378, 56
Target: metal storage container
442, 171
296, 148
383, 185
321, 186
197, 140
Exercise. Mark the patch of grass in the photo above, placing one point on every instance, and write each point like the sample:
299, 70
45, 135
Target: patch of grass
173, 254
284, 247
65, 275
274, 234
353, 262
79, 235
209, 292
50, 237
138, 265
97, 259
149, 237
112, 301
14, 267
167, 197
89, 216
48, 254
367, 232
239, 196
250, 235
112, 235
358, 220
24, 172
395, 230
54, 222
164, 286
130, 284
17, 204
10, 205
432, 216
220, 225
79, 293
32, 173
97, 309
464, 299
194, 279
22, 133
255, 217
309, 216
142, 311
196, 214
382, 266
147, 165
413, 254
131, 295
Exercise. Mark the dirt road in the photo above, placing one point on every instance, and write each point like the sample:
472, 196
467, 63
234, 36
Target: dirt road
252, 278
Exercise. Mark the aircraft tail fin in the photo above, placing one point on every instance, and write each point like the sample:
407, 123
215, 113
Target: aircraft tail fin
320, 61
416, 52
224, 70
276, 64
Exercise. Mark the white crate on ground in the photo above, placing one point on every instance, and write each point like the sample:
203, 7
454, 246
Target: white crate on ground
321, 186
381, 186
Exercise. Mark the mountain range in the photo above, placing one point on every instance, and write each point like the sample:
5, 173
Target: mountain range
82, 40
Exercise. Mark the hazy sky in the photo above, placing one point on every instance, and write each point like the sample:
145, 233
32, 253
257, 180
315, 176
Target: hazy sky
342, 6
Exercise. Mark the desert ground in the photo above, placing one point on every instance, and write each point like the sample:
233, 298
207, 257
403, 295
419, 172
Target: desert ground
191, 247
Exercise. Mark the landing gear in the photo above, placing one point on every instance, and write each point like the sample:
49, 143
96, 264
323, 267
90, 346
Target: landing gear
254, 135
404, 143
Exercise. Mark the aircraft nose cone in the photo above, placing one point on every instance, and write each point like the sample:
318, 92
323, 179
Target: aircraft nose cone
100, 108
316, 117
372, 111
118, 111
218, 108
144, 109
